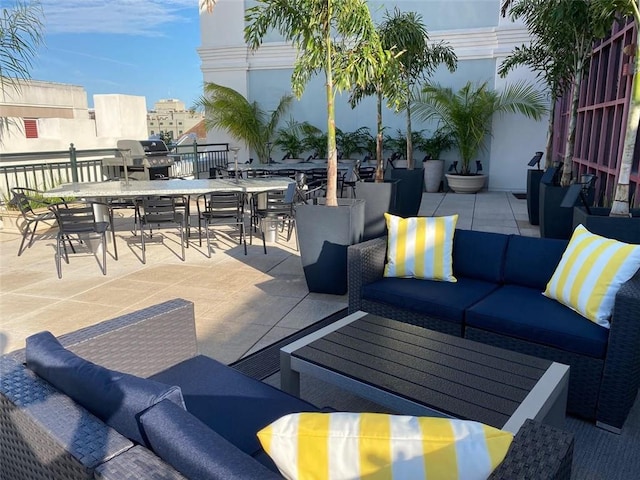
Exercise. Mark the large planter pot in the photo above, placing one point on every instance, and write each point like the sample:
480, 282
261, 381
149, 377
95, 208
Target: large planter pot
625, 229
556, 221
533, 195
324, 233
466, 183
433, 174
408, 191
379, 198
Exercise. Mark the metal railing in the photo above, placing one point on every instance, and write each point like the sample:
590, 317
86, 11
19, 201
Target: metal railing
45, 170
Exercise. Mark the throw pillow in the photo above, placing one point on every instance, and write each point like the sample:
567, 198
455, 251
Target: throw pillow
343, 445
590, 273
115, 398
420, 247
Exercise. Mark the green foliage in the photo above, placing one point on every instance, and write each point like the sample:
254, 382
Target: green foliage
289, 139
245, 121
336, 37
397, 144
466, 115
350, 143
433, 146
314, 140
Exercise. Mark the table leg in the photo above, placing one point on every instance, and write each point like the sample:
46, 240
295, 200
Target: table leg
289, 378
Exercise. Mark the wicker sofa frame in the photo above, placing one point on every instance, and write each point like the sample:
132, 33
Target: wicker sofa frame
605, 386
45, 435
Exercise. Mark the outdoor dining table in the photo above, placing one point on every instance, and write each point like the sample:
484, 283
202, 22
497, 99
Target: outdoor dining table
171, 188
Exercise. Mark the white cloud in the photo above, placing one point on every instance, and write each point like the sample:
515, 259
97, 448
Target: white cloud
132, 17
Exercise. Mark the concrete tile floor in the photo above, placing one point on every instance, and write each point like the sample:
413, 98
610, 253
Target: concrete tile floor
242, 303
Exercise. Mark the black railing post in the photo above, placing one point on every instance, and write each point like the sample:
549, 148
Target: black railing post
74, 163
196, 173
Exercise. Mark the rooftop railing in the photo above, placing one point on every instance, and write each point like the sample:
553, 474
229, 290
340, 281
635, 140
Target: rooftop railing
45, 170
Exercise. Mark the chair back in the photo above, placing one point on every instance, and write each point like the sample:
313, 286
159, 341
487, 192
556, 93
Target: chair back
224, 204
159, 210
77, 218
367, 173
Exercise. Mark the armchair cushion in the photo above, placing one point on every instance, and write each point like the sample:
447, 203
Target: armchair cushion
441, 299
114, 397
215, 393
195, 450
524, 313
346, 445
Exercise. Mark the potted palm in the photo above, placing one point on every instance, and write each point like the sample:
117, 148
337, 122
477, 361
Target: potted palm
314, 140
289, 139
351, 143
245, 121
467, 114
337, 38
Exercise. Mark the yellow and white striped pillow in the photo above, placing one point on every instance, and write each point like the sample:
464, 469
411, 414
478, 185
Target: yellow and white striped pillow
340, 445
590, 273
420, 247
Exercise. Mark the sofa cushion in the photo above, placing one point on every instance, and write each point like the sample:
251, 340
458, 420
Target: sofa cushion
525, 313
420, 247
115, 398
215, 393
344, 446
444, 300
479, 255
590, 273
530, 261
194, 449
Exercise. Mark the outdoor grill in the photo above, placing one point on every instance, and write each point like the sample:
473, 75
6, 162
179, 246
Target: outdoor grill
142, 159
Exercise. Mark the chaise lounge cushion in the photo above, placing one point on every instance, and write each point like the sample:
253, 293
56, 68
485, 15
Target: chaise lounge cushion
195, 450
530, 261
524, 313
215, 393
446, 300
114, 397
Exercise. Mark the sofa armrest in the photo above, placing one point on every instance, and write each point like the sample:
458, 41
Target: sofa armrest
365, 264
621, 376
538, 451
137, 464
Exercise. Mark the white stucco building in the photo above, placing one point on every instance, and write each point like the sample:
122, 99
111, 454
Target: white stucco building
480, 37
47, 116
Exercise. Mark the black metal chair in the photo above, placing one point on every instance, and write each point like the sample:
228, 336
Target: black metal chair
221, 208
161, 211
24, 199
83, 219
275, 207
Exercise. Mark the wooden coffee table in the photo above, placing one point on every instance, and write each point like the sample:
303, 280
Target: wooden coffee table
415, 371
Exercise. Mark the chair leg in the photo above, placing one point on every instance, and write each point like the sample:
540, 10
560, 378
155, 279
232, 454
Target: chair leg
182, 240
22, 248
206, 226
58, 258
104, 253
113, 235
144, 253
243, 237
264, 240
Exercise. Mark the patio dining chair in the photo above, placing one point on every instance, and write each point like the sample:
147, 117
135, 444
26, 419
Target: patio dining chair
162, 211
24, 200
83, 219
221, 209
275, 208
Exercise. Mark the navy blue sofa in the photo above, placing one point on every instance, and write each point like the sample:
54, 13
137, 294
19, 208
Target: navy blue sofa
65, 418
498, 300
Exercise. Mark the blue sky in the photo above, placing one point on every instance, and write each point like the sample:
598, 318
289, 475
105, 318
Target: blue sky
133, 47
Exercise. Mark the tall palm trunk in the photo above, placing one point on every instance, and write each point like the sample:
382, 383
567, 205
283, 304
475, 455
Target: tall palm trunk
620, 207
548, 162
409, 135
567, 169
332, 153
379, 145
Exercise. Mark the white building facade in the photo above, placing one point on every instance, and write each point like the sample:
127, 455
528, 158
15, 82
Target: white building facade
475, 29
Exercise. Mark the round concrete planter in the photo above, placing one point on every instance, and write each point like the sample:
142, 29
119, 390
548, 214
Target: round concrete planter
466, 183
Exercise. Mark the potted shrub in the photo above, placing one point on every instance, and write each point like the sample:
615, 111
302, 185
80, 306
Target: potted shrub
351, 143
338, 38
315, 141
289, 139
433, 165
467, 115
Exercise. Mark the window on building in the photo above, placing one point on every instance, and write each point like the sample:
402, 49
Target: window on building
179, 132
161, 123
179, 123
31, 127
152, 132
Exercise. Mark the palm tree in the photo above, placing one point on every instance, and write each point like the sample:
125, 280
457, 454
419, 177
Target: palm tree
467, 114
406, 32
245, 121
337, 37
21, 31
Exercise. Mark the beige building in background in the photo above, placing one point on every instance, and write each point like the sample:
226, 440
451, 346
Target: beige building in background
170, 115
